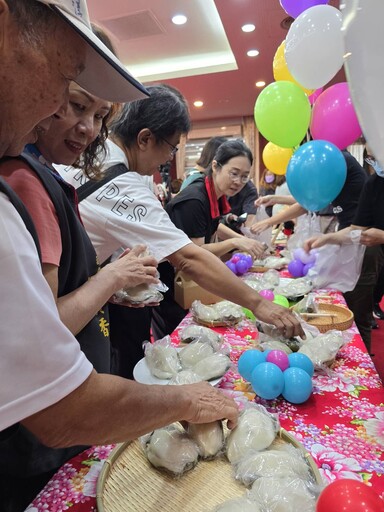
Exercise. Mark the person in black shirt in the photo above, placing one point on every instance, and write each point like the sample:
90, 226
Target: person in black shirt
369, 217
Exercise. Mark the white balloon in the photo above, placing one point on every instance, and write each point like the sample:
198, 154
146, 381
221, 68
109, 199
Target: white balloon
364, 66
314, 46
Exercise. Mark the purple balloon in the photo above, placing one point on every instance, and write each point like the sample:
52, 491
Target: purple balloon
307, 267
231, 266
299, 254
248, 258
295, 268
240, 255
296, 7
241, 267
267, 294
279, 358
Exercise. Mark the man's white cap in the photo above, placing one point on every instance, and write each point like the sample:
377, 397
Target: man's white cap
104, 75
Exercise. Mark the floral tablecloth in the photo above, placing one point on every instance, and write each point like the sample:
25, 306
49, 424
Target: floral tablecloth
341, 425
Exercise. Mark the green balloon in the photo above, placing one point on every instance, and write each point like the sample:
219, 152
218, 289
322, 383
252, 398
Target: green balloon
283, 113
281, 300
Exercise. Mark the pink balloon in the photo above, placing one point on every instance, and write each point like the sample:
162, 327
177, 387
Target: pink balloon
296, 7
279, 358
334, 118
313, 97
267, 294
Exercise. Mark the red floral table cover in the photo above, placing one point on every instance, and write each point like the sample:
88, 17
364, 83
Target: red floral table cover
341, 425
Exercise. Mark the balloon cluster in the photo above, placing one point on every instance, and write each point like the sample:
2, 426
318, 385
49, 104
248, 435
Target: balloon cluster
302, 262
240, 263
273, 373
303, 64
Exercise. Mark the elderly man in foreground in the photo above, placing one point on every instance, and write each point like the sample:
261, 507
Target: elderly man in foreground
47, 385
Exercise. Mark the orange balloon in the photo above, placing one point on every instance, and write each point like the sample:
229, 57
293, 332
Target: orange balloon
276, 159
281, 71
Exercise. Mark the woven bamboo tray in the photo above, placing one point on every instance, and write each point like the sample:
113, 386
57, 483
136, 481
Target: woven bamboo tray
129, 483
342, 320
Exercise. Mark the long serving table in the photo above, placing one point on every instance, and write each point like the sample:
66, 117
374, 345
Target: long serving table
341, 425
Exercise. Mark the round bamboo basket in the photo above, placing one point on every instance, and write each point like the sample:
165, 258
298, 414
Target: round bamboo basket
340, 318
129, 483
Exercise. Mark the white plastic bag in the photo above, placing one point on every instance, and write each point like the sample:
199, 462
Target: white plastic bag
266, 236
338, 266
307, 225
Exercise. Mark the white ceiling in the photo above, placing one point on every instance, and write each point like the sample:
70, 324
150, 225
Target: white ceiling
205, 58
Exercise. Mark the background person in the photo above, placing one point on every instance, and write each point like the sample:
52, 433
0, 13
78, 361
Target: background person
202, 164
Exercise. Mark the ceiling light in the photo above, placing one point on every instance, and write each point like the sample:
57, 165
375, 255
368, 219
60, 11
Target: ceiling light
249, 27
261, 83
253, 53
198, 103
223, 127
179, 19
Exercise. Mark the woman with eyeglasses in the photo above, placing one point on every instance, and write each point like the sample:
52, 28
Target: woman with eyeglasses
123, 210
197, 211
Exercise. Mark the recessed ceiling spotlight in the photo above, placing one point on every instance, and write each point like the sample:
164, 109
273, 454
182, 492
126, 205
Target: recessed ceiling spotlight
179, 19
198, 103
223, 127
253, 53
248, 27
261, 83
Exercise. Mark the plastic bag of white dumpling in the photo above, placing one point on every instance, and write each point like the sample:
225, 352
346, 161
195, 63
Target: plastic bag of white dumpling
209, 437
307, 304
267, 463
238, 505
294, 287
270, 332
193, 353
256, 430
288, 494
185, 377
323, 349
171, 449
162, 358
270, 279
223, 312
275, 345
200, 333
142, 293
213, 366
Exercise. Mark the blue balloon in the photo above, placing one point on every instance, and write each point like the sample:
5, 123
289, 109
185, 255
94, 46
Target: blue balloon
248, 361
298, 360
316, 173
267, 381
297, 385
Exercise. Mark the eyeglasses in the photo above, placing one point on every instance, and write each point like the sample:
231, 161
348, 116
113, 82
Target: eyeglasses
234, 177
174, 149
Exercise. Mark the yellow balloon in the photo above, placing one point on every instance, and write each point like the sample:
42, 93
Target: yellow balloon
281, 71
276, 158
